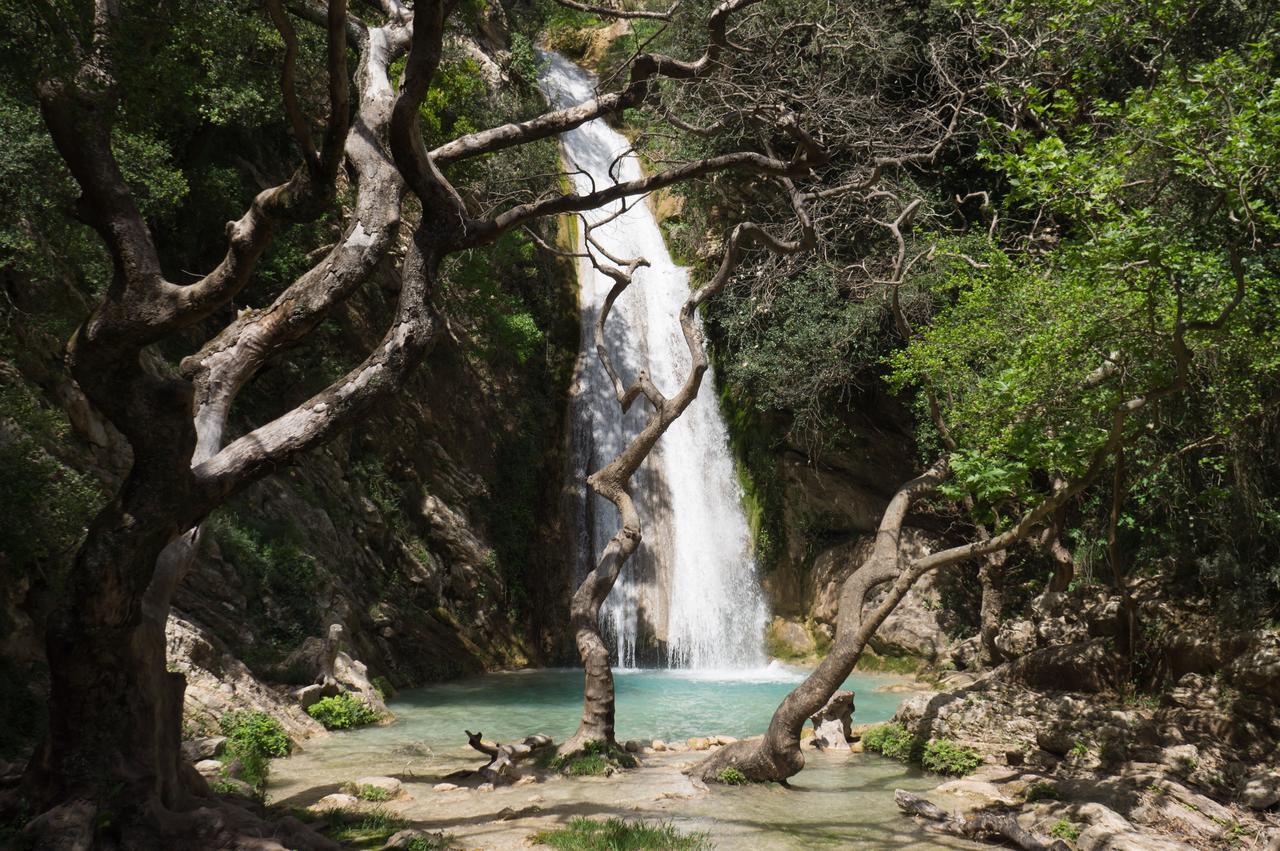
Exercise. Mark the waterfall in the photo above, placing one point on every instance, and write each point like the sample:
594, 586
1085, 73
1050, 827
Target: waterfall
690, 596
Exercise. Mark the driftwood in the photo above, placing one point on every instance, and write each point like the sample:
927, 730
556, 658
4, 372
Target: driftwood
833, 723
980, 825
503, 758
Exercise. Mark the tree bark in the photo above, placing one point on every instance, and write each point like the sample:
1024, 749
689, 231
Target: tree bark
991, 578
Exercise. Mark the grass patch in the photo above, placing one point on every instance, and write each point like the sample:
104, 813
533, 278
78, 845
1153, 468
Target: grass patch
369, 829
341, 712
371, 793
615, 834
944, 756
594, 760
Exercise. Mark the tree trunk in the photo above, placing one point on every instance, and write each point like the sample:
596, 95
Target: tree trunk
777, 755
991, 577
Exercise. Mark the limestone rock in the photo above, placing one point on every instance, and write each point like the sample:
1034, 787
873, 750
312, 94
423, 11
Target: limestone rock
725, 740
790, 638
659, 745
209, 769
1016, 638
444, 787
833, 723
336, 801
218, 683
405, 838
1086, 666
207, 747
698, 743
1261, 790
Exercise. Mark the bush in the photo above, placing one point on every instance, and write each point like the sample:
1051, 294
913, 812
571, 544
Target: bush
893, 741
341, 712
254, 738
732, 777
944, 756
615, 834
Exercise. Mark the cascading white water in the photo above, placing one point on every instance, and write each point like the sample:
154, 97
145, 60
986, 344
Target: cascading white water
692, 585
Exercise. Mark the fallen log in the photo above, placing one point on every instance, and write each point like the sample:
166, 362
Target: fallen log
503, 758
979, 825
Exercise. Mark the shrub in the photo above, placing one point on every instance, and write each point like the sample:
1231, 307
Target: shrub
342, 711
732, 777
253, 738
944, 756
1041, 791
615, 834
893, 741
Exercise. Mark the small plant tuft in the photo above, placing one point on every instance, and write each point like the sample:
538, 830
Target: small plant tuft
732, 776
1064, 829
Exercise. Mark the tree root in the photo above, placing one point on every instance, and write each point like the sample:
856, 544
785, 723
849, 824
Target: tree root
980, 825
500, 769
747, 757
217, 824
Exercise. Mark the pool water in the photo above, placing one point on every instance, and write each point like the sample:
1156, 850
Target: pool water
837, 801
651, 704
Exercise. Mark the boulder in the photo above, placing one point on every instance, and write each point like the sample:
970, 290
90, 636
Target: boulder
208, 747
309, 696
1261, 790
833, 723
336, 801
1086, 666
725, 740
1016, 638
209, 769
698, 743
659, 745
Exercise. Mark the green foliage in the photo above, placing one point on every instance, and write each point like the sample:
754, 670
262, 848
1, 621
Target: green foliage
254, 738
23, 712
615, 834
944, 756
732, 777
342, 712
1064, 829
46, 502
1041, 791
279, 573
894, 742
